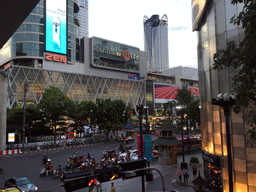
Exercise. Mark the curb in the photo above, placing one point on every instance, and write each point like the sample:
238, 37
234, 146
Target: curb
18, 151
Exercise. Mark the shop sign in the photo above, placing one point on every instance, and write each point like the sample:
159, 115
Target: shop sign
125, 54
11, 137
55, 57
131, 76
70, 135
7, 65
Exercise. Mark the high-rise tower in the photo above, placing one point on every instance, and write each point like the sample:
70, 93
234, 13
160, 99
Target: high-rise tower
83, 18
156, 42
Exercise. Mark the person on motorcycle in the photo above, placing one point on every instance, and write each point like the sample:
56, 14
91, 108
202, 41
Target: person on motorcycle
88, 156
47, 167
75, 154
59, 170
45, 158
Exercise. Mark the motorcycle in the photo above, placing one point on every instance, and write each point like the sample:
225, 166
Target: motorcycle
84, 166
50, 172
1, 170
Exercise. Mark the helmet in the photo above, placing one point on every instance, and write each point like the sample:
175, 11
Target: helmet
49, 160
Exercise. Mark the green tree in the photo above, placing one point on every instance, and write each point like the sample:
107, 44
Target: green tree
183, 97
193, 111
111, 115
53, 105
242, 58
87, 110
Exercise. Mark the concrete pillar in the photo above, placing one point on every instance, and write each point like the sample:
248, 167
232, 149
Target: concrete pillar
3, 109
36, 63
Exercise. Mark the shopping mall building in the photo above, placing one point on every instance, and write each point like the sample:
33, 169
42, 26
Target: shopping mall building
211, 18
52, 47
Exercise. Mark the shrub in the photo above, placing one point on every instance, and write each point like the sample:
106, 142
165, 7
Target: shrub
194, 160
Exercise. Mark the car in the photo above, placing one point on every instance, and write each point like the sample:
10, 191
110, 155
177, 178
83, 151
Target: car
133, 152
22, 183
128, 139
13, 189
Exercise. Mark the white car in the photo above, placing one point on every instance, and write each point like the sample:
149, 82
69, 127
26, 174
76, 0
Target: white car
133, 152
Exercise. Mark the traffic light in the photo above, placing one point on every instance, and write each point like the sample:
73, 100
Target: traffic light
107, 174
77, 180
128, 169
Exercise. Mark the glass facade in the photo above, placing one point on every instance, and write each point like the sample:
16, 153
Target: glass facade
156, 41
78, 87
29, 38
214, 31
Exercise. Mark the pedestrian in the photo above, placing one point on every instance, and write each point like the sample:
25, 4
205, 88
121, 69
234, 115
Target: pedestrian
113, 189
185, 175
194, 170
179, 173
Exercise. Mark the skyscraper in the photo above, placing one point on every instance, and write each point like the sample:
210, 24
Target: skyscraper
83, 18
156, 42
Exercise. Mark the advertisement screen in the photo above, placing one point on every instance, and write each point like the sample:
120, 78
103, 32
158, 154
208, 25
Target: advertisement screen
166, 92
56, 26
108, 54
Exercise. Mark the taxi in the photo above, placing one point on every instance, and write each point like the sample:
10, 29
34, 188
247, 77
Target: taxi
12, 189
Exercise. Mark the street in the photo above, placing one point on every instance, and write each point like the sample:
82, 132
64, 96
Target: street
30, 165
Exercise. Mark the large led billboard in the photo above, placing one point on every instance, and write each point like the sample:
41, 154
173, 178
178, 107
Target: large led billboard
109, 54
165, 92
56, 26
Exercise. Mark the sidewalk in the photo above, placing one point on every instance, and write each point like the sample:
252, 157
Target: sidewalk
169, 172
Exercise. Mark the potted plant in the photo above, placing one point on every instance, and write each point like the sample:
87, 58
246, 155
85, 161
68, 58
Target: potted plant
194, 161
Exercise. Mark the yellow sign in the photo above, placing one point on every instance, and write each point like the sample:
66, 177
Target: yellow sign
114, 177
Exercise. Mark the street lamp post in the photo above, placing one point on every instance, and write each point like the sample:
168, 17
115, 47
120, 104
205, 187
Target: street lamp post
182, 140
24, 114
226, 101
140, 109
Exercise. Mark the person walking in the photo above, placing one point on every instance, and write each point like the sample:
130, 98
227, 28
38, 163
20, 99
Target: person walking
194, 170
185, 175
113, 189
179, 173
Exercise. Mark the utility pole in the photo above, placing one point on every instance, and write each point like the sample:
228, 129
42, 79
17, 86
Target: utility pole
140, 109
24, 113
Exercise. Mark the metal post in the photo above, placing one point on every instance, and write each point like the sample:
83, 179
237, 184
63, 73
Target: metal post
141, 143
227, 105
24, 115
147, 127
182, 141
230, 168
187, 135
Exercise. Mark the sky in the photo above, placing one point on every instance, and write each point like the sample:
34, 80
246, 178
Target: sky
122, 21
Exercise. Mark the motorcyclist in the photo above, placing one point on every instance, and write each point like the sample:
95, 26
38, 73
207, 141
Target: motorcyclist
75, 154
48, 166
88, 156
59, 170
45, 159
